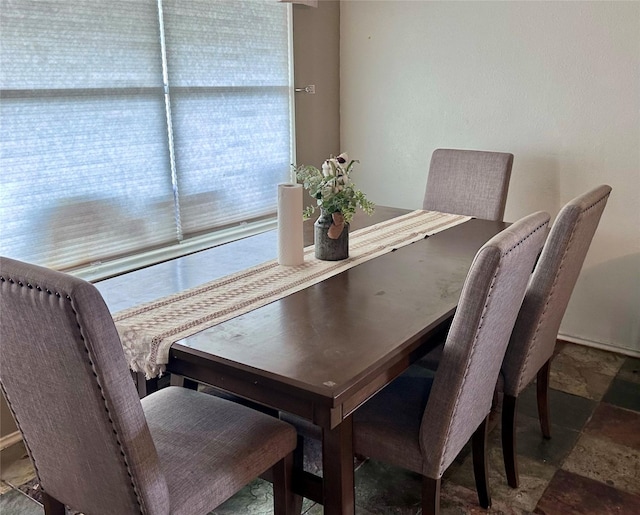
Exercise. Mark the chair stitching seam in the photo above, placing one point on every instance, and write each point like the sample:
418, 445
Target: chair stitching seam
115, 432
602, 199
474, 346
106, 405
553, 286
464, 377
508, 251
6, 394
15, 416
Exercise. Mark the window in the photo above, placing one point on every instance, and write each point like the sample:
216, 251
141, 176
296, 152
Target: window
136, 125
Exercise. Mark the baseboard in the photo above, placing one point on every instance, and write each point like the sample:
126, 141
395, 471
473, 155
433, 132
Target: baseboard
597, 345
9, 440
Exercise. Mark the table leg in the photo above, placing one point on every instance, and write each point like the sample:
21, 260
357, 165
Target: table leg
337, 469
144, 386
183, 382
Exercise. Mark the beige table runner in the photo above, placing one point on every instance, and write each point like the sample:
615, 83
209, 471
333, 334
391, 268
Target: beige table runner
147, 331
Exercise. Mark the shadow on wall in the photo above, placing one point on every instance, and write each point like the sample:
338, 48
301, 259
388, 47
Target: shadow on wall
534, 186
605, 305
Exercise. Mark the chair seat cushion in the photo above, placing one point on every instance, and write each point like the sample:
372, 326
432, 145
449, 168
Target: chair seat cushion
209, 448
387, 427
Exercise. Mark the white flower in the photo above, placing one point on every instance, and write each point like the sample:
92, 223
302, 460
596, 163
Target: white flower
326, 169
332, 187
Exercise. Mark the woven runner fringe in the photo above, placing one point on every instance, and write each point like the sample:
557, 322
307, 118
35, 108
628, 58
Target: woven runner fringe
147, 331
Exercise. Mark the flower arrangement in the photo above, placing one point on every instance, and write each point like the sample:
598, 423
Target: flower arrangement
333, 188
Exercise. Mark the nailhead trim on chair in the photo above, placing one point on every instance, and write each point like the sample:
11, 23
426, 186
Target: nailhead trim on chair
473, 348
553, 287
525, 238
115, 431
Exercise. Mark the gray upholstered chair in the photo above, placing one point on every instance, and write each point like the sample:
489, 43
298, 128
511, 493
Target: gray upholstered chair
468, 182
94, 445
534, 336
422, 425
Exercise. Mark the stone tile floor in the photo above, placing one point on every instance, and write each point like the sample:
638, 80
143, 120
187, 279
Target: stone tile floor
591, 465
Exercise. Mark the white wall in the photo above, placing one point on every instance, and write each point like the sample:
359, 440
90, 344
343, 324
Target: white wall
555, 83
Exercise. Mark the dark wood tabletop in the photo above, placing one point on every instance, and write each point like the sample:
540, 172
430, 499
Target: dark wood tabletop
321, 352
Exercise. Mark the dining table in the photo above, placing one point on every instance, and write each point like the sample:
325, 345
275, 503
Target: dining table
321, 352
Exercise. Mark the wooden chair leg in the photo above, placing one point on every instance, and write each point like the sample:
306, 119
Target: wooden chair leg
284, 502
52, 506
430, 496
542, 387
509, 405
480, 463
298, 466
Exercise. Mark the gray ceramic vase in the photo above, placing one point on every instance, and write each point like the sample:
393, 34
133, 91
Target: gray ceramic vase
329, 249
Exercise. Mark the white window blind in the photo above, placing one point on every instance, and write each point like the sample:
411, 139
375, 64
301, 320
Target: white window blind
85, 144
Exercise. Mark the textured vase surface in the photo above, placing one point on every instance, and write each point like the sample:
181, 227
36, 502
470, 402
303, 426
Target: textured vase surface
329, 249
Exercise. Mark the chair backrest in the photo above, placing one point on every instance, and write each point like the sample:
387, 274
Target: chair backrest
468, 182
545, 302
463, 387
67, 383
